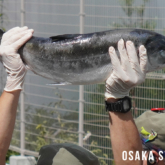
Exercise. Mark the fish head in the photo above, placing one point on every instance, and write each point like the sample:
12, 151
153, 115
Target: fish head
156, 54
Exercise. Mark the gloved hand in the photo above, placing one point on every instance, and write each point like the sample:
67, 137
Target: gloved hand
127, 72
11, 41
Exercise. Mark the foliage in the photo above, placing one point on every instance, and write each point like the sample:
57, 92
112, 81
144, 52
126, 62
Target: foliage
50, 125
95, 94
135, 16
10, 153
148, 95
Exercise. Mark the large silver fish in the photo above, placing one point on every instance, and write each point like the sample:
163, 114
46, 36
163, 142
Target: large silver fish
81, 59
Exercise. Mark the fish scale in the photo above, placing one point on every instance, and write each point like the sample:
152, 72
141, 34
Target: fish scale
81, 59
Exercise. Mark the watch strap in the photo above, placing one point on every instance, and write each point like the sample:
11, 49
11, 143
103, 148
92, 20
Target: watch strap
118, 106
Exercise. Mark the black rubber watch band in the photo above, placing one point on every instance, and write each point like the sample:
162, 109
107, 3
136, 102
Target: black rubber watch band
123, 105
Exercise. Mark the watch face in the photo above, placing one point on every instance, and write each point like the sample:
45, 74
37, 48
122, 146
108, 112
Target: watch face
126, 105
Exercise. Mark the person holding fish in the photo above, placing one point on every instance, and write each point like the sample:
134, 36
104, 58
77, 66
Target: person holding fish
128, 72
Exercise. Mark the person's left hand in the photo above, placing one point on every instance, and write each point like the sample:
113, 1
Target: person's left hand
128, 71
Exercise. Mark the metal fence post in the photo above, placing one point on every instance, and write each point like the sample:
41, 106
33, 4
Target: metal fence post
22, 136
81, 87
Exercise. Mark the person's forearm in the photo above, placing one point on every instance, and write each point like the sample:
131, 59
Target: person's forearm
8, 109
124, 137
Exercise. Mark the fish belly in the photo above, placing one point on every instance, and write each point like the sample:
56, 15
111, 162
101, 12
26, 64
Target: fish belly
82, 71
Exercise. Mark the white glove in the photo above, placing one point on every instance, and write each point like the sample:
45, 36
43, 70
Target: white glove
127, 72
10, 43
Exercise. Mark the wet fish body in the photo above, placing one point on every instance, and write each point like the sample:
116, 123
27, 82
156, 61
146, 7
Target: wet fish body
81, 59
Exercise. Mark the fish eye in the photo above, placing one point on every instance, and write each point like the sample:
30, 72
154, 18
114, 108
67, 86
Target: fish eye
161, 57
162, 53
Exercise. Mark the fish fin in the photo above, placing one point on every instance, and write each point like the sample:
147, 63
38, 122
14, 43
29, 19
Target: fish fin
60, 83
65, 37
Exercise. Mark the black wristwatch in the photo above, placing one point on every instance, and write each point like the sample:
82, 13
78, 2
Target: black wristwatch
123, 105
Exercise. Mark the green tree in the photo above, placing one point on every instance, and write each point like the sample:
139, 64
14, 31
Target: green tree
135, 16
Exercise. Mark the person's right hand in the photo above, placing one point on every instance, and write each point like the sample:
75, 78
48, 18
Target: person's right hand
128, 71
11, 41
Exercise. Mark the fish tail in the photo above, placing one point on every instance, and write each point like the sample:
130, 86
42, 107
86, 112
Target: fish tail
1, 33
